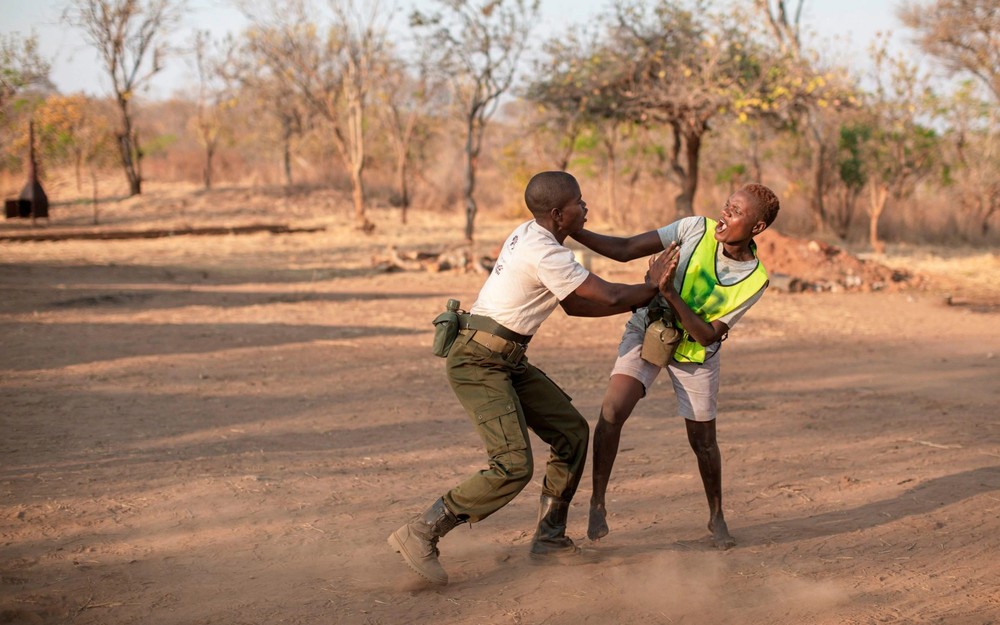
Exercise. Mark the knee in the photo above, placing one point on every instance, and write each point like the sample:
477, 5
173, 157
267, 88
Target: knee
703, 442
614, 415
573, 440
515, 467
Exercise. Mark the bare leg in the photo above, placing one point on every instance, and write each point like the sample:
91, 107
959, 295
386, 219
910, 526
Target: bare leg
701, 436
623, 393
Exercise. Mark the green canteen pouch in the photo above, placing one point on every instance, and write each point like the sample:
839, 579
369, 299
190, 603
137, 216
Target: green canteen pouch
659, 343
445, 332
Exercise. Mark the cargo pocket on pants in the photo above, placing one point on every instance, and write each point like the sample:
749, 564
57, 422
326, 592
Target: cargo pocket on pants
499, 427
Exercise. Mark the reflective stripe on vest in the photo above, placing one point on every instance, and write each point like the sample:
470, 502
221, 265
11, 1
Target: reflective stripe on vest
708, 299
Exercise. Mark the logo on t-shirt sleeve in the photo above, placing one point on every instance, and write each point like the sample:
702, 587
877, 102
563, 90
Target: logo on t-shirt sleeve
513, 242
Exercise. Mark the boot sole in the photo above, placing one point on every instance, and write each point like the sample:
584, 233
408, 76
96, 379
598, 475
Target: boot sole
566, 558
555, 556
397, 544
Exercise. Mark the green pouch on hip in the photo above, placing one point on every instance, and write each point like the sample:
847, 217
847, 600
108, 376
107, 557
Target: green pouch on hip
446, 329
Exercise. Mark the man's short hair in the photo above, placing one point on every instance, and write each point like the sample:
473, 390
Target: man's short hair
767, 202
550, 189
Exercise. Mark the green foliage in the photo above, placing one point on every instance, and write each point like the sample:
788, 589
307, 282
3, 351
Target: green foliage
586, 141
851, 165
728, 175
158, 145
20, 66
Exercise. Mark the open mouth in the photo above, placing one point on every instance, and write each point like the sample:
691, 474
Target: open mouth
721, 226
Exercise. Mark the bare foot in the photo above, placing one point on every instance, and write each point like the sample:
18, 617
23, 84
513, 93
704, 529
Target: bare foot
721, 537
597, 527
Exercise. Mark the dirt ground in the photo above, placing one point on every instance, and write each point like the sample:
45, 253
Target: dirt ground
224, 429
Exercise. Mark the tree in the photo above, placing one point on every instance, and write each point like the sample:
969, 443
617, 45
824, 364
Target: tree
808, 94
333, 72
973, 142
572, 75
131, 38
77, 130
963, 34
902, 150
22, 72
579, 92
20, 66
478, 44
407, 97
211, 103
60, 123
686, 66
851, 169
248, 75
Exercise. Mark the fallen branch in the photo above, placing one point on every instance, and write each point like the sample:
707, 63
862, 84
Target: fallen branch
454, 259
155, 233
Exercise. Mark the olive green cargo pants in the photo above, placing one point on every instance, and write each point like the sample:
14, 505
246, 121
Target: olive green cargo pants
504, 400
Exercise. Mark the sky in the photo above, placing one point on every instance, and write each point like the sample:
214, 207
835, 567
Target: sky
843, 29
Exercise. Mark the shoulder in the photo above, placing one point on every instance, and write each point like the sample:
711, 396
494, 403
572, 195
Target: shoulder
684, 227
692, 225
679, 230
523, 238
541, 240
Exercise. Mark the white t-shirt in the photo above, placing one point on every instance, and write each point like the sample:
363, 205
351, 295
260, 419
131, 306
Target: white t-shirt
533, 274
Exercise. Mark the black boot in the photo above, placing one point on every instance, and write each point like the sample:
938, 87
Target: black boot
417, 541
550, 537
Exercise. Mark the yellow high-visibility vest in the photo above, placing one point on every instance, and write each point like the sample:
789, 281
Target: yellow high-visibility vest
708, 299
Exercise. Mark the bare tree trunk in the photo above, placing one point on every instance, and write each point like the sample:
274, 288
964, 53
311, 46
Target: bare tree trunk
817, 165
611, 147
128, 146
78, 166
473, 135
572, 132
207, 173
404, 190
630, 199
356, 150
470, 200
877, 198
93, 183
992, 206
286, 148
684, 201
358, 195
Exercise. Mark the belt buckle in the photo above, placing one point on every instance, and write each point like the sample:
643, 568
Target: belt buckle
517, 353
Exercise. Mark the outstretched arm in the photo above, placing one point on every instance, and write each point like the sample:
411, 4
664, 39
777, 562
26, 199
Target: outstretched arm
621, 248
597, 297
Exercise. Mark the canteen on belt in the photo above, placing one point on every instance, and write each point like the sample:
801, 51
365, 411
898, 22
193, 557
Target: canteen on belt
659, 343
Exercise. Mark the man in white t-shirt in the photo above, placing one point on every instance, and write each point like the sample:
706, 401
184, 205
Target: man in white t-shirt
716, 279
504, 394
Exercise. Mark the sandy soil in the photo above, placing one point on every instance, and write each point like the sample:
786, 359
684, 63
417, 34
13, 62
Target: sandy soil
224, 429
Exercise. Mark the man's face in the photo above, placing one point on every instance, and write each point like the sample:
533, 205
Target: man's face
738, 219
574, 213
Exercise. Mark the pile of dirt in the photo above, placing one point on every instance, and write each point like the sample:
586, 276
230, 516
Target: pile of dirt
798, 265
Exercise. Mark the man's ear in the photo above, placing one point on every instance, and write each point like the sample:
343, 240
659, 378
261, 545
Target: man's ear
758, 227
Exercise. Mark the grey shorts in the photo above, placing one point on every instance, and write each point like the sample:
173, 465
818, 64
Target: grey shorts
696, 386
